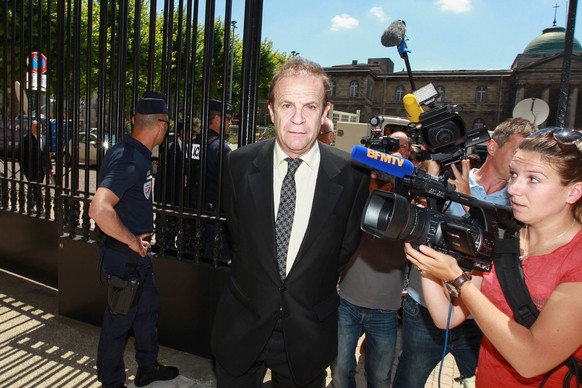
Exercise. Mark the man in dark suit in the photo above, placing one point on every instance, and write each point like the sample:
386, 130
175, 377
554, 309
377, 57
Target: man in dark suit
284, 317
33, 162
179, 168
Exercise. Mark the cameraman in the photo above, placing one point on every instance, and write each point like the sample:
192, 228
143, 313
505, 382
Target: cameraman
422, 341
404, 151
370, 291
405, 144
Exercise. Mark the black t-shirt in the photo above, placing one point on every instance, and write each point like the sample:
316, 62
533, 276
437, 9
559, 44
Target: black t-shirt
127, 172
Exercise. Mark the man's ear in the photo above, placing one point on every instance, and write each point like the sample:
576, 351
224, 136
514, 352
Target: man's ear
271, 112
326, 109
492, 146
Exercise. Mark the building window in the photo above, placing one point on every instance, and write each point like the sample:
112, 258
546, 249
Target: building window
481, 95
441, 97
478, 123
369, 85
399, 93
332, 89
354, 89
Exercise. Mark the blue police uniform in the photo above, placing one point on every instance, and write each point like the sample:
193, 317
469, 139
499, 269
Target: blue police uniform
211, 194
126, 171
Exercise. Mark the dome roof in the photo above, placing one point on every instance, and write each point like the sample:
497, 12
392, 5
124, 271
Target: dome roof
551, 41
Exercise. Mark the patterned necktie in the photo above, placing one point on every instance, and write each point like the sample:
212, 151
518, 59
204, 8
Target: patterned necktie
284, 221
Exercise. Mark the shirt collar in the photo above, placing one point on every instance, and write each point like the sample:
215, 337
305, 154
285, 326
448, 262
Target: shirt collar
472, 181
309, 159
474, 185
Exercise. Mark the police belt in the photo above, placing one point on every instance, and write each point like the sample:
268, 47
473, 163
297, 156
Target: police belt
116, 245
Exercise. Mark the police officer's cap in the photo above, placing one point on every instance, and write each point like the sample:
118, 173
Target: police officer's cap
152, 103
216, 105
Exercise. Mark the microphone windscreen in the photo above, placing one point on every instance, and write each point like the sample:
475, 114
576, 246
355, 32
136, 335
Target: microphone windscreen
394, 34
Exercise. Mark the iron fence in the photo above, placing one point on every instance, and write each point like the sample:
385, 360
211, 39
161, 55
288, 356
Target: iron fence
74, 70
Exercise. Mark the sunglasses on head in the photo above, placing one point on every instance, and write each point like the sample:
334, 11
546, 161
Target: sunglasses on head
564, 136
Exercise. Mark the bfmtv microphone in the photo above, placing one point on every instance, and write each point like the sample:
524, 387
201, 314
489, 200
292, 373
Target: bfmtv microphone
379, 161
394, 34
412, 107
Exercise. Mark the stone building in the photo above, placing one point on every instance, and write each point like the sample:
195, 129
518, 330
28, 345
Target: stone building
484, 97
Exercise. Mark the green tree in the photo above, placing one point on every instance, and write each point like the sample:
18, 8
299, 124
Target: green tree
96, 50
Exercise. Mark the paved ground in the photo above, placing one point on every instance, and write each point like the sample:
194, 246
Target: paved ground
39, 348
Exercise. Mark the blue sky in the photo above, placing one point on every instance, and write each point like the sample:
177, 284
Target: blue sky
442, 34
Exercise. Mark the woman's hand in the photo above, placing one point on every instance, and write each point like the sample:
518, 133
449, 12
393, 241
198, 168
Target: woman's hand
431, 262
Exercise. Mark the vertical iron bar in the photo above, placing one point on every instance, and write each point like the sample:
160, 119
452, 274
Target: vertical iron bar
250, 72
567, 60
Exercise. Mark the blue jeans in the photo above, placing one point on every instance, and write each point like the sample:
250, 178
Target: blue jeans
381, 329
422, 346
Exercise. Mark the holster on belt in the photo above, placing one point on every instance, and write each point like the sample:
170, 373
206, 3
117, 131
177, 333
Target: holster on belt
123, 293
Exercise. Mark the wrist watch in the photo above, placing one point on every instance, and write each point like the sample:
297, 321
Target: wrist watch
454, 286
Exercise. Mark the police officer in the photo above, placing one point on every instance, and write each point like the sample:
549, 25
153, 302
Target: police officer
215, 120
213, 153
122, 208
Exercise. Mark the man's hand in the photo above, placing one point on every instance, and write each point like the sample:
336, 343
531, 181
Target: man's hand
461, 180
141, 244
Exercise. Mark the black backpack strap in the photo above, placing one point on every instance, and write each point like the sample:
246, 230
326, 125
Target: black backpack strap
510, 274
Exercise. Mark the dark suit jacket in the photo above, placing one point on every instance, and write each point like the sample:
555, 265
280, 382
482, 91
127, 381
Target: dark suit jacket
307, 301
179, 171
175, 175
32, 164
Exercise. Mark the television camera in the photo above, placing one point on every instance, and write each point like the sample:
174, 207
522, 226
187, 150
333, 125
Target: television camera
441, 128
470, 240
377, 140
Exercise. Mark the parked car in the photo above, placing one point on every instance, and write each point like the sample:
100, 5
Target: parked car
91, 142
105, 145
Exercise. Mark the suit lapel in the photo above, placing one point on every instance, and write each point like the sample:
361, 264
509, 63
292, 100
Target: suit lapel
260, 181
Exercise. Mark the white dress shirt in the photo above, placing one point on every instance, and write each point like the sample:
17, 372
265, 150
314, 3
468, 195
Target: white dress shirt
305, 179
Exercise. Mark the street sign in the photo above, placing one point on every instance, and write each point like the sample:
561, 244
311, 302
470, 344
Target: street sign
39, 63
34, 85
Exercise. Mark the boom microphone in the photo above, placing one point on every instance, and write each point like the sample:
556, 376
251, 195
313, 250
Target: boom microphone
379, 161
394, 34
412, 107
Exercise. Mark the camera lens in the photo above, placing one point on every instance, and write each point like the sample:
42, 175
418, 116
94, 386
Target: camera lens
445, 135
381, 220
376, 121
443, 130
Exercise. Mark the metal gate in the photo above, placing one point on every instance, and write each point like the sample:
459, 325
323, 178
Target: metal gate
72, 72
75, 69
